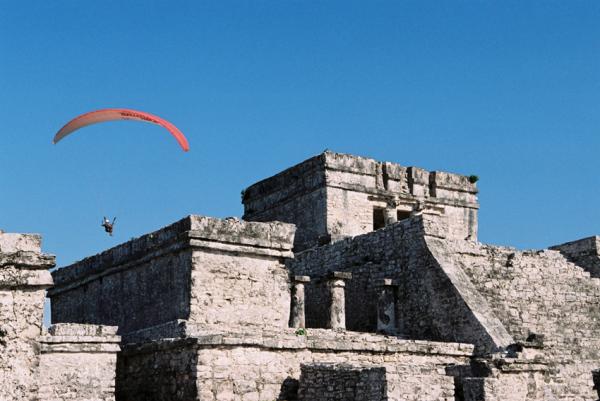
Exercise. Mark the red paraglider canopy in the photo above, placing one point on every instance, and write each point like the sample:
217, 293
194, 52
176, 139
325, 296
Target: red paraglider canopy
103, 115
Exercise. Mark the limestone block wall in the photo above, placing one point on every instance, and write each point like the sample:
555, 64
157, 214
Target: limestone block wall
296, 195
266, 366
509, 386
239, 289
140, 283
334, 195
210, 271
330, 382
542, 297
434, 300
584, 253
24, 278
78, 363
356, 186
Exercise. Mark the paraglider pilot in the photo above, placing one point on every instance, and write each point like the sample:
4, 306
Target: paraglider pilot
108, 226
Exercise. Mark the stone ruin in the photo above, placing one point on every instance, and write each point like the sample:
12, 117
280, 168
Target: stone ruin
347, 279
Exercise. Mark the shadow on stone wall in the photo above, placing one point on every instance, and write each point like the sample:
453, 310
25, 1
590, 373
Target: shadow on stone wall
289, 390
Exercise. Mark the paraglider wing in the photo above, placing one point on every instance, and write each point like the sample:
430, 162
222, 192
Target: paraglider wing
103, 115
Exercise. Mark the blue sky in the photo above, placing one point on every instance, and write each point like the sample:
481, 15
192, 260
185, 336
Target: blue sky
509, 91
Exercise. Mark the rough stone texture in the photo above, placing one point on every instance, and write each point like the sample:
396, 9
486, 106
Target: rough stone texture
498, 377
541, 297
337, 295
584, 253
436, 301
24, 277
204, 305
210, 271
332, 382
334, 195
298, 310
68, 362
266, 366
78, 363
386, 308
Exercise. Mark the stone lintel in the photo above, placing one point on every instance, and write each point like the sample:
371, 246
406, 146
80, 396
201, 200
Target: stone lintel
82, 330
301, 279
336, 275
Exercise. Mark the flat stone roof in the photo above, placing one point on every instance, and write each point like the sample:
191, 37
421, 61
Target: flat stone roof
273, 239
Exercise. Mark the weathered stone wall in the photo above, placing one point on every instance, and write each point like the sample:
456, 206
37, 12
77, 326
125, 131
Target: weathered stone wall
210, 271
435, 300
296, 195
78, 363
584, 252
331, 382
65, 363
233, 290
541, 297
24, 277
142, 294
266, 366
333, 195
509, 386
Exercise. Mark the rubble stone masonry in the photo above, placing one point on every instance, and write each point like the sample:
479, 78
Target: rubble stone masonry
67, 362
351, 279
218, 273
333, 195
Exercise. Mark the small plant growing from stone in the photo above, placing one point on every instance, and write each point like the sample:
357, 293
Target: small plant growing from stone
301, 332
473, 179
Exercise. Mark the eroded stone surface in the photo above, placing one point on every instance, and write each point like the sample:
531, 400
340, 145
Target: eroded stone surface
334, 195
66, 362
330, 382
222, 309
78, 362
23, 281
266, 366
211, 271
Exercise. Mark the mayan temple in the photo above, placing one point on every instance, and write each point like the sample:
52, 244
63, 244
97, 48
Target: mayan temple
346, 279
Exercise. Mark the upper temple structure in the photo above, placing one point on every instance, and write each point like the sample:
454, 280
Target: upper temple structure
347, 279
333, 196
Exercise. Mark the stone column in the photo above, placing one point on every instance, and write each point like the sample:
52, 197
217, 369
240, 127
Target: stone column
337, 308
386, 307
24, 278
297, 319
390, 215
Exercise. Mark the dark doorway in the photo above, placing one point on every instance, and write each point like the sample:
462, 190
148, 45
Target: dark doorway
403, 215
378, 218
